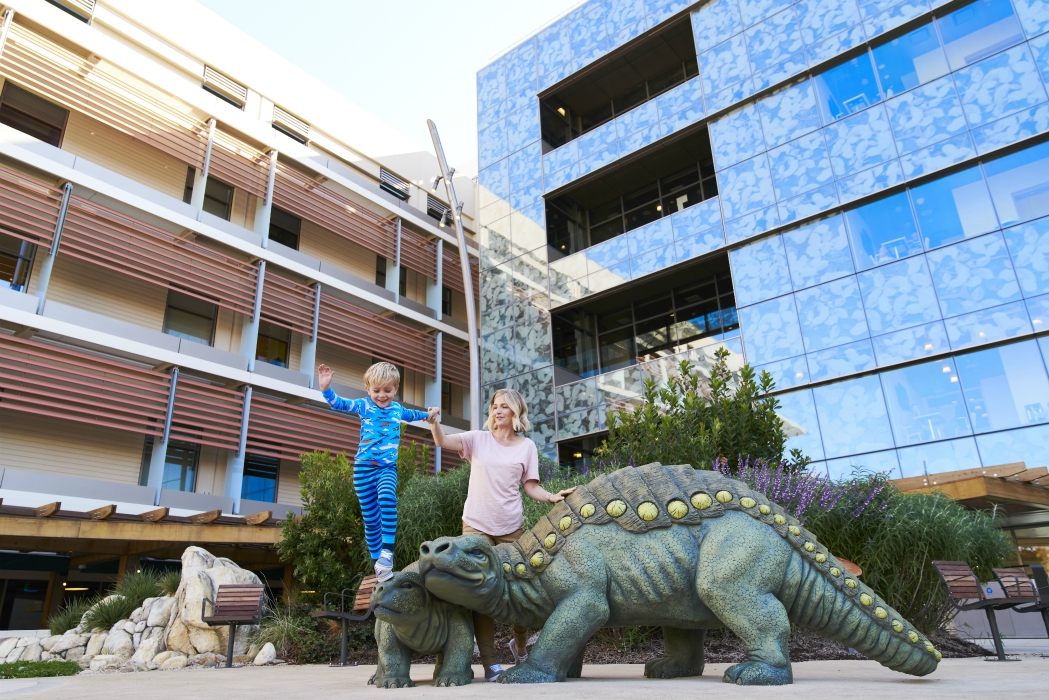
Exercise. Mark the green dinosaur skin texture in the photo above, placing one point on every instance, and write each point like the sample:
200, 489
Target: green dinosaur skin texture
408, 619
689, 550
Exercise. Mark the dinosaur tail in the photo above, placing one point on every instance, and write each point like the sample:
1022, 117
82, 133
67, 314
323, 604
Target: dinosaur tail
840, 608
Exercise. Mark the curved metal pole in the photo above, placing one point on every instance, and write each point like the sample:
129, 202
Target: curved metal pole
468, 287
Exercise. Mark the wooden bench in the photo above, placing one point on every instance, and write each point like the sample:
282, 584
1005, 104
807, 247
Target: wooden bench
965, 592
235, 604
360, 610
1018, 586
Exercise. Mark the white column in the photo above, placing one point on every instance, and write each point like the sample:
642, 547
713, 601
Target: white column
159, 457
249, 334
265, 206
433, 390
200, 177
235, 463
393, 277
308, 358
49, 262
434, 289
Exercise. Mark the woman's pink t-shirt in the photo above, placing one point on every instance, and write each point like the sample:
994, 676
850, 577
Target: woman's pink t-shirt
493, 503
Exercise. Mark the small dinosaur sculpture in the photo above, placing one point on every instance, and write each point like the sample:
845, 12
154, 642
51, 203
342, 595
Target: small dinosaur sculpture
408, 618
689, 550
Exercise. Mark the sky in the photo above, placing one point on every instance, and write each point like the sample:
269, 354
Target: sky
391, 59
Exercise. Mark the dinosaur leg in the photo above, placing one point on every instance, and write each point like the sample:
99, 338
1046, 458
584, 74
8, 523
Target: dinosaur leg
562, 639
454, 668
576, 669
395, 660
684, 655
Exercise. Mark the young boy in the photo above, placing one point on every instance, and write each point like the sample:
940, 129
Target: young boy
375, 466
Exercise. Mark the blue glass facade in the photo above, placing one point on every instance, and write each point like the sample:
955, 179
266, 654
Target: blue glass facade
883, 200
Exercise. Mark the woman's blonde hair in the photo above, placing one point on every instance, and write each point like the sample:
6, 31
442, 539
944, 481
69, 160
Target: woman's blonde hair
516, 403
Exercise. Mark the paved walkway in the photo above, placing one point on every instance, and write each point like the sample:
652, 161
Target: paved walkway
814, 680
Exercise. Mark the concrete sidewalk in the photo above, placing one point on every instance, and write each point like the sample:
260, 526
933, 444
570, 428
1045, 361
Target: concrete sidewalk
814, 680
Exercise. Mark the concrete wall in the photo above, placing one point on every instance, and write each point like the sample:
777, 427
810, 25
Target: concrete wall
334, 249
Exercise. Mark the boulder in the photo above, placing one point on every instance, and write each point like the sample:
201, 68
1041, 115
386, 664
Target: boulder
94, 645
195, 559
206, 658
15, 655
140, 625
119, 644
67, 641
106, 662
267, 655
46, 656
160, 611
25, 641
135, 615
136, 639
174, 662
146, 651
73, 654
129, 627
32, 652
7, 645
48, 642
163, 656
177, 637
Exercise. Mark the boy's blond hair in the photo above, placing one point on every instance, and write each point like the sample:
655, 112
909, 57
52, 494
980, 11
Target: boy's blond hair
381, 374
516, 403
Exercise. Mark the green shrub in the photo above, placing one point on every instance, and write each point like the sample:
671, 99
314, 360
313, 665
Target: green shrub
109, 612
169, 581
136, 587
39, 669
70, 614
280, 626
694, 421
327, 544
429, 507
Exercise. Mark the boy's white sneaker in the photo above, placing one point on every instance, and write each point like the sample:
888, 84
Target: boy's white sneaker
518, 658
384, 566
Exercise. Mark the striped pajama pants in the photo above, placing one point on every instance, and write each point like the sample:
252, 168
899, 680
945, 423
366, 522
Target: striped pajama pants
376, 488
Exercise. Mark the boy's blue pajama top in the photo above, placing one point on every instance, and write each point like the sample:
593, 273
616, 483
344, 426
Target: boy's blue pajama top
375, 465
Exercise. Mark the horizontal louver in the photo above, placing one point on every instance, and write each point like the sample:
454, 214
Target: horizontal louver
436, 208
290, 124
393, 184
227, 89
82, 9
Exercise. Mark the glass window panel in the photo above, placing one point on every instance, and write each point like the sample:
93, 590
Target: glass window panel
800, 425
838, 361
1029, 246
978, 30
1019, 184
910, 60
654, 337
954, 207
771, 331
937, 457
987, 325
260, 479
846, 88
831, 314
818, 252
883, 231
925, 403
180, 466
616, 349
911, 344
760, 271
1005, 387
852, 417
1027, 445
787, 373
899, 295
973, 275
880, 462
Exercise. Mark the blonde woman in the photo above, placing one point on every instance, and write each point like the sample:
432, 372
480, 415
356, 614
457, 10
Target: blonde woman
500, 459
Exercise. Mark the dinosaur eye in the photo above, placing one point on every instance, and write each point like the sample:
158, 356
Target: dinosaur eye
406, 584
476, 551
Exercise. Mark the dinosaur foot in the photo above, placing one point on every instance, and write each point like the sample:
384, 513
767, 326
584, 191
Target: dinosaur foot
526, 673
447, 681
758, 673
391, 682
669, 667
575, 671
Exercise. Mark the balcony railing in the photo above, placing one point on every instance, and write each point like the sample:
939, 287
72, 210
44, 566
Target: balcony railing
455, 363
28, 208
80, 81
207, 414
238, 163
285, 431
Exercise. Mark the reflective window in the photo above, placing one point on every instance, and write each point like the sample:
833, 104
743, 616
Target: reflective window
273, 343
798, 412
190, 318
847, 88
883, 231
925, 403
1029, 247
180, 466
973, 275
818, 252
1005, 387
978, 30
910, 60
880, 462
1028, 445
852, 417
954, 207
937, 457
1019, 184
260, 479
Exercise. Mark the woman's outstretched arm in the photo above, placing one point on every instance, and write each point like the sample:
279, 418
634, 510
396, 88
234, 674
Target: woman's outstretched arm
440, 438
537, 493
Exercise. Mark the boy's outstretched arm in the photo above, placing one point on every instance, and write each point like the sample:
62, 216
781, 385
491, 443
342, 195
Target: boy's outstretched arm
410, 415
324, 376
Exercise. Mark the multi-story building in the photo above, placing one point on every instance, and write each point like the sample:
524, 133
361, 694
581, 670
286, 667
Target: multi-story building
188, 226
850, 194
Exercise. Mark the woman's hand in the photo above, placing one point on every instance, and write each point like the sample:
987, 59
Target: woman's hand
431, 414
560, 496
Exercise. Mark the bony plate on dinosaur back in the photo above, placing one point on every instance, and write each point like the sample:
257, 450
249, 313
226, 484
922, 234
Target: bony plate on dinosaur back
720, 535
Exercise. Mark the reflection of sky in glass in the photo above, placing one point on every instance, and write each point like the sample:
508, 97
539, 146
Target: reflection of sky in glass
937, 457
883, 231
925, 403
1028, 445
909, 60
847, 88
879, 462
852, 417
954, 207
1005, 387
798, 411
1020, 184
978, 30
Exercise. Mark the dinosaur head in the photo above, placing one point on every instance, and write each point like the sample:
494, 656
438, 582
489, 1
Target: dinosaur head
402, 600
463, 570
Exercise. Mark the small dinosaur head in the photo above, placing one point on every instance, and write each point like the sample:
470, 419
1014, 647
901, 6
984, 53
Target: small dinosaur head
463, 570
402, 600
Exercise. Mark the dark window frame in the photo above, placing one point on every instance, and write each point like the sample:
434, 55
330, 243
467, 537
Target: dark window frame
10, 114
187, 307
259, 467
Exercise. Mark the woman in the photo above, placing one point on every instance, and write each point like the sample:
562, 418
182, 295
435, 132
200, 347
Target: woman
500, 459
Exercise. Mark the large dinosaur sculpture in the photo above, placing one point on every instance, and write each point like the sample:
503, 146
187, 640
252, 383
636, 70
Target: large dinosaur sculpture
689, 550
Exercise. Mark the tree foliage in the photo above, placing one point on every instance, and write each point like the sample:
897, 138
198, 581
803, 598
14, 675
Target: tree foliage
693, 420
